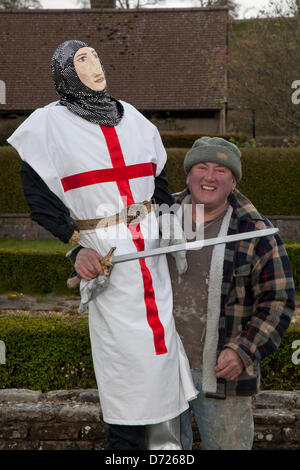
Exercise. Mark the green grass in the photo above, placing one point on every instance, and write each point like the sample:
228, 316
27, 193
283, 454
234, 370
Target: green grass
53, 245
44, 246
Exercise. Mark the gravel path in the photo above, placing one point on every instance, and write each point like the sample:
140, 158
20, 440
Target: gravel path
60, 305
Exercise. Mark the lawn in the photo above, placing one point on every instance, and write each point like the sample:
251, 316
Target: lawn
35, 245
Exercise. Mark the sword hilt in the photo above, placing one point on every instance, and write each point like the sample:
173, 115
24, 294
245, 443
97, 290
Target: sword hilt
106, 261
106, 265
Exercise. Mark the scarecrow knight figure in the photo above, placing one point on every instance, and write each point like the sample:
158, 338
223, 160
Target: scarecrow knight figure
82, 155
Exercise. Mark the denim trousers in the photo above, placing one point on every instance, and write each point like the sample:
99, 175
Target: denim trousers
223, 424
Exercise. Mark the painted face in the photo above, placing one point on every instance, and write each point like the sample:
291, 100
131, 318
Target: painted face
210, 184
88, 68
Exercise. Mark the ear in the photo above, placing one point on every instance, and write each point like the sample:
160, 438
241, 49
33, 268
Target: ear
187, 179
233, 184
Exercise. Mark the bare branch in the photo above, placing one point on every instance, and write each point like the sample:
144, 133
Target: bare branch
263, 64
20, 4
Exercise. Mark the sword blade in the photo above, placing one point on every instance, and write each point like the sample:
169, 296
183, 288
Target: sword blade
196, 245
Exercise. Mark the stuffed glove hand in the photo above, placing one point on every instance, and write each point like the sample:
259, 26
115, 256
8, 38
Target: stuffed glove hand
90, 289
173, 234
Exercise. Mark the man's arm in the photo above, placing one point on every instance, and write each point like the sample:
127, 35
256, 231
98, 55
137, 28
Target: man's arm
161, 191
273, 300
45, 207
49, 211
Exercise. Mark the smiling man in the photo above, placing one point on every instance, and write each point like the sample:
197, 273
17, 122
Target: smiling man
238, 298
210, 183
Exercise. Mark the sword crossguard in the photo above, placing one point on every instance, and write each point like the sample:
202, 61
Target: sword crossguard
106, 261
106, 264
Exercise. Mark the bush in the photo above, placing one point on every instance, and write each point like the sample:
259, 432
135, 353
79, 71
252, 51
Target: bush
175, 139
46, 353
29, 271
52, 353
293, 250
7, 127
12, 200
278, 370
270, 178
33, 272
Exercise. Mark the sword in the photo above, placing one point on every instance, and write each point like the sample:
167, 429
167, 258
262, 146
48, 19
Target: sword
196, 245
109, 260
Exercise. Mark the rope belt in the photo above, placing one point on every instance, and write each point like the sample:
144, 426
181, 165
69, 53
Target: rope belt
134, 212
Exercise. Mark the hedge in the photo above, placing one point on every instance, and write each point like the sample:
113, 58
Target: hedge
279, 371
33, 272
293, 251
40, 272
51, 353
11, 194
46, 352
8, 126
175, 139
270, 179
169, 138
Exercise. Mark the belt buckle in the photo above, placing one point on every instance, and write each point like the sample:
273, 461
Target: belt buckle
136, 212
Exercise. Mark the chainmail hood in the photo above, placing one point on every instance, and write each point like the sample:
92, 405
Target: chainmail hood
95, 106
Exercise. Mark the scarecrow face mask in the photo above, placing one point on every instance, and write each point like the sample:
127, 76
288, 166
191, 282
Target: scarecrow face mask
79, 80
88, 68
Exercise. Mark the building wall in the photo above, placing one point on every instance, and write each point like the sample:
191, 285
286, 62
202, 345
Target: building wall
201, 125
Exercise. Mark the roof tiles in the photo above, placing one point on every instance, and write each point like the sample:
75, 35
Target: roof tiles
155, 59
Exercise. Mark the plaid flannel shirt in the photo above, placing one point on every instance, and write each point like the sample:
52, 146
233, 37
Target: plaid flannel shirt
257, 296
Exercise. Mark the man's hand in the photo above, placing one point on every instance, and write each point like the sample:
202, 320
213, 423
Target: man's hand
88, 264
229, 365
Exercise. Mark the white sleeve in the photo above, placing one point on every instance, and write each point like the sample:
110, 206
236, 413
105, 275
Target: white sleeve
30, 140
160, 152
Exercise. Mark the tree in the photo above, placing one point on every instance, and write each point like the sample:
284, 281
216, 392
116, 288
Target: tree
84, 3
137, 3
125, 3
20, 4
231, 4
263, 68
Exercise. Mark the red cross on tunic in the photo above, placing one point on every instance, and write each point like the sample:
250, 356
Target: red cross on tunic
120, 173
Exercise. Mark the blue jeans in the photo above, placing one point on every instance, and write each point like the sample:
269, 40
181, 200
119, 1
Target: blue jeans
223, 424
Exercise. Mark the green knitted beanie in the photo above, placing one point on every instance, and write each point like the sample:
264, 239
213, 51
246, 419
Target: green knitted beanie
216, 150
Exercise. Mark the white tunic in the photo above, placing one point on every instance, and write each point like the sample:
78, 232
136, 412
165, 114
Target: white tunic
141, 368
